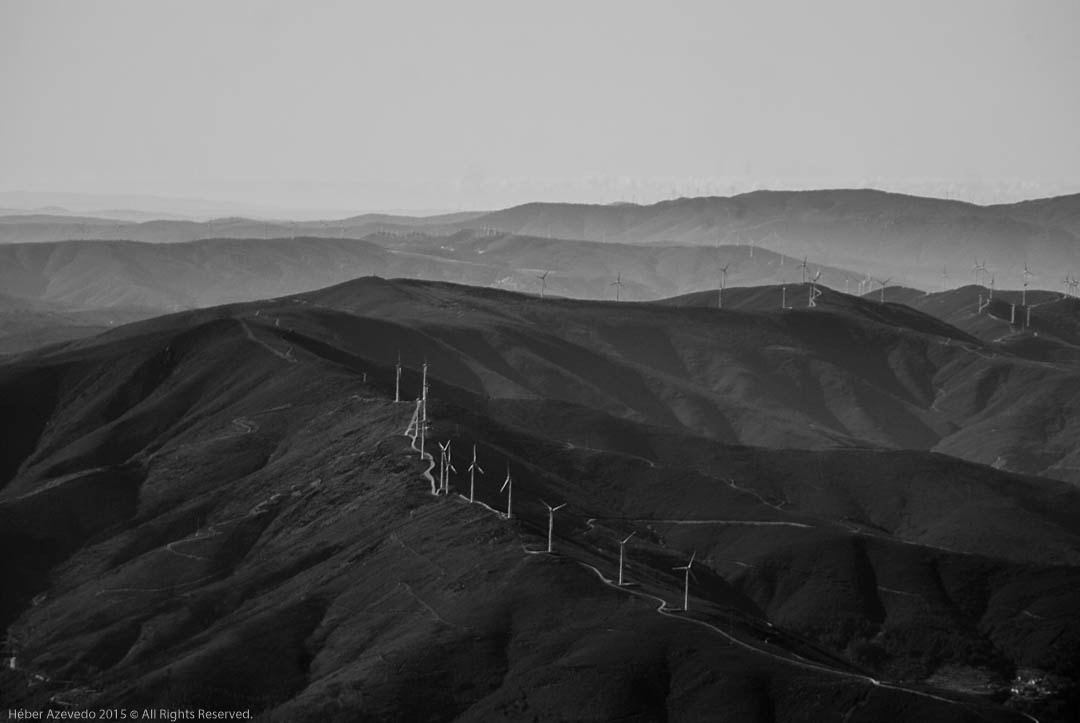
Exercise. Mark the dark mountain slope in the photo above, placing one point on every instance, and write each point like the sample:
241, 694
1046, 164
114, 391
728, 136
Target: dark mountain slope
259, 520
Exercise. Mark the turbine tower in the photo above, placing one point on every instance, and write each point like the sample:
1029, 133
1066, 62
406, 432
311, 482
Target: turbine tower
508, 485
944, 279
617, 283
446, 466
883, 285
551, 521
978, 268
437, 488
543, 282
622, 556
473, 469
723, 284
815, 292
805, 269
423, 410
686, 581
397, 380
1023, 293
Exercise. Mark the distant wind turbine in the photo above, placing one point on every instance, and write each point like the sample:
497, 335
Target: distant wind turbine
474, 467
883, 285
508, 485
944, 279
397, 379
543, 282
805, 269
723, 284
551, 521
1023, 293
622, 556
686, 581
617, 283
980, 269
815, 292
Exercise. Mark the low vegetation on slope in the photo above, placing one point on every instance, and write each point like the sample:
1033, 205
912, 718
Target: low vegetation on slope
219, 508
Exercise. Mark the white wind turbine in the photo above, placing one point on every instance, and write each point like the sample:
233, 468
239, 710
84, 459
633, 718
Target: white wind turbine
423, 411
508, 485
543, 282
805, 269
437, 487
1023, 293
883, 285
815, 292
617, 283
686, 581
397, 379
978, 268
446, 466
723, 285
551, 521
474, 467
622, 556
944, 279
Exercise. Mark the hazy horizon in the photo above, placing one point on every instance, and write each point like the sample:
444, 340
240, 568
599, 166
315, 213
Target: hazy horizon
351, 108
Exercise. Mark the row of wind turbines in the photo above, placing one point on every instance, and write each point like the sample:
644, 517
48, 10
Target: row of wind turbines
417, 430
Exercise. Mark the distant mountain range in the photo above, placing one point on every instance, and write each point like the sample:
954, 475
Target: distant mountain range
913, 240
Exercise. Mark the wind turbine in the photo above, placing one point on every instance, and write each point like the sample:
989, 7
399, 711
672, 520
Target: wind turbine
783, 296
508, 485
978, 268
815, 292
617, 283
543, 282
944, 279
883, 285
448, 469
622, 556
437, 489
686, 581
805, 269
723, 284
473, 469
397, 379
1023, 293
551, 520
421, 423
423, 410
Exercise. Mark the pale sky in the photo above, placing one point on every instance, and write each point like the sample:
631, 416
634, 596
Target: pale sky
468, 104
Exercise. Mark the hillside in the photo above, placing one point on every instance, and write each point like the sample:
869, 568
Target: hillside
170, 277
226, 494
